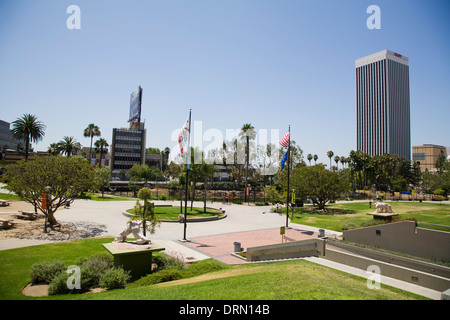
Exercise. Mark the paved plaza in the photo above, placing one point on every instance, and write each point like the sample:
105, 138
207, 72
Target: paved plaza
250, 225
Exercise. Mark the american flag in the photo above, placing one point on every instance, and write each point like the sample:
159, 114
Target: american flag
285, 140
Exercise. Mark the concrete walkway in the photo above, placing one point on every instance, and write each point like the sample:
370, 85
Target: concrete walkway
249, 225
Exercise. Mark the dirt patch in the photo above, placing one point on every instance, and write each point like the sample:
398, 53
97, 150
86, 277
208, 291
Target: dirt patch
34, 230
36, 291
41, 290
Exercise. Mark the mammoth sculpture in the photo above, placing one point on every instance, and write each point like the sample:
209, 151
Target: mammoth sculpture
383, 207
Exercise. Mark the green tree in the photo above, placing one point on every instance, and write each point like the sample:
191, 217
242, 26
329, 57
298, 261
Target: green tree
68, 146
63, 179
272, 194
440, 162
91, 131
318, 184
145, 212
206, 170
28, 129
315, 157
142, 172
102, 178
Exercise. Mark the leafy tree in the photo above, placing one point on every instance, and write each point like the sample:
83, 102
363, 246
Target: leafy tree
28, 129
91, 131
63, 179
146, 212
142, 172
319, 184
272, 194
102, 177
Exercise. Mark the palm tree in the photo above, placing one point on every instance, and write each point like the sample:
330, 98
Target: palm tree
309, 157
336, 159
248, 132
91, 131
68, 146
343, 160
53, 149
28, 128
330, 154
315, 158
101, 145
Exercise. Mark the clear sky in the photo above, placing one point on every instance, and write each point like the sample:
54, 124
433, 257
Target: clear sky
265, 62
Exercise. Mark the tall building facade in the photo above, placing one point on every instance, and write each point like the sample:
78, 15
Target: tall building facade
128, 148
383, 105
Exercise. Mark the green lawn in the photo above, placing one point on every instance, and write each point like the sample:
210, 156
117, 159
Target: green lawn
280, 281
172, 213
337, 214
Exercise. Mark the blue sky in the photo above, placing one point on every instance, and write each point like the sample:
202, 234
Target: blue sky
265, 62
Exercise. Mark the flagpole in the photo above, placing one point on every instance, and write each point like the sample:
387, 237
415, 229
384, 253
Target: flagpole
288, 165
188, 159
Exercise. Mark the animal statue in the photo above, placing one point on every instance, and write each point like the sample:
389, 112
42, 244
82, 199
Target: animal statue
383, 207
134, 228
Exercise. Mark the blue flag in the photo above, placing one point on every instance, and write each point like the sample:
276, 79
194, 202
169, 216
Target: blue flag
284, 160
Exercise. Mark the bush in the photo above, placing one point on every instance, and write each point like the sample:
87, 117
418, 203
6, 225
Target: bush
115, 278
93, 268
172, 262
59, 284
163, 197
349, 224
158, 277
45, 272
202, 267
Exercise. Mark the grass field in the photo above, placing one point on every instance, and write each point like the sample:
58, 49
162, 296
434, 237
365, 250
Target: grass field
336, 214
276, 281
172, 213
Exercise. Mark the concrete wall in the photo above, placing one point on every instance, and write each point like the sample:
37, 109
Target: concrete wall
404, 237
296, 249
419, 278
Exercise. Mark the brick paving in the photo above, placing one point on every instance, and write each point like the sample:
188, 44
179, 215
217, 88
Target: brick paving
221, 246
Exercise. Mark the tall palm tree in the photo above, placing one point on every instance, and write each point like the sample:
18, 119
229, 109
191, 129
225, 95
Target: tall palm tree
28, 128
309, 157
315, 158
248, 132
68, 146
91, 131
101, 146
330, 154
336, 159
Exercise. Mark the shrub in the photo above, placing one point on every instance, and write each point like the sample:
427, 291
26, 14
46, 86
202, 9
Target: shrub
59, 284
115, 278
349, 224
163, 197
202, 267
175, 261
93, 268
45, 272
158, 277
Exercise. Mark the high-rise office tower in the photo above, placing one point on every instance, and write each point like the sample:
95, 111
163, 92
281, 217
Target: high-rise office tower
382, 104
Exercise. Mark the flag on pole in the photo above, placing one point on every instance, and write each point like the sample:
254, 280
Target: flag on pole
183, 137
284, 160
285, 140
